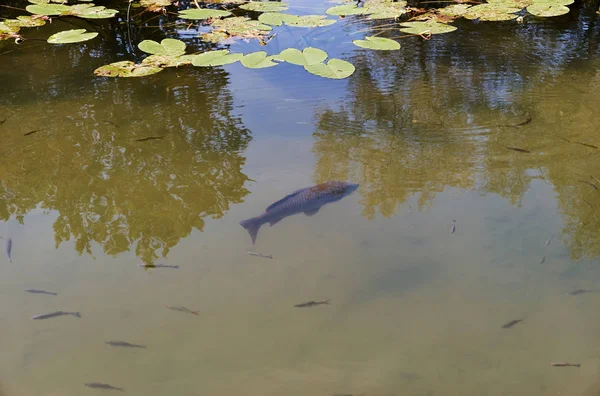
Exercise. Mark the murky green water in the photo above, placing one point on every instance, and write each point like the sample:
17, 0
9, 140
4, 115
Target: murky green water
415, 309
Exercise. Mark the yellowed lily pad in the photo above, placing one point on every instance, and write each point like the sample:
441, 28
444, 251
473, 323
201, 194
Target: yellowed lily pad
26, 21
492, 12
271, 6
202, 13
126, 69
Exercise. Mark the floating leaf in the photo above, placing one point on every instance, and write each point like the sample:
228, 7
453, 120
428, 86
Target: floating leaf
547, 9
520, 4
345, 9
155, 5
25, 21
236, 27
71, 36
258, 60
383, 9
454, 10
7, 32
492, 12
277, 19
126, 69
168, 47
429, 27
264, 7
273, 18
377, 43
202, 13
48, 9
335, 68
309, 56
167, 60
89, 11
215, 58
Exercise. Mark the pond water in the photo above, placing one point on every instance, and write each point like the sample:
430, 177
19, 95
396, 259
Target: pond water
415, 309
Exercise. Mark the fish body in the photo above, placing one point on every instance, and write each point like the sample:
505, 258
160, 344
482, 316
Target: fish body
511, 323
181, 309
453, 227
99, 385
565, 364
36, 291
520, 150
543, 260
149, 138
306, 200
158, 266
579, 291
9, 249
311, 304
269, 256
547, 242
55, 314
124, 344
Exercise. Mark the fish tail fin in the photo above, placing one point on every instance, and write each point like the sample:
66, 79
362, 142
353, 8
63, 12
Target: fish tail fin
77, 314
327, 302
252, 225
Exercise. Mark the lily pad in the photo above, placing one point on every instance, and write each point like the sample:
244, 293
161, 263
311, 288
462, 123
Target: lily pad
71, 36
345, 9
383, 9
274, 18
377, 43
277, 19
215, 58
258, 60
155, 5
167, 60
48, 9
335, 68
309, 56
236, 27
492, 12
429, 27
126, 69
25, 21
168, 47
264, 7
547, 9
8, 32
202, 13
454, 10
89, 11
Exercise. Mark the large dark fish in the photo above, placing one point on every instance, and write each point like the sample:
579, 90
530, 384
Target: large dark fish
55, 314
149, 138
181, 309
36, 291
518, 149
307, 200
511, 323
98, 385
124, 344
579, 291
565, 364
9, 249
311, 304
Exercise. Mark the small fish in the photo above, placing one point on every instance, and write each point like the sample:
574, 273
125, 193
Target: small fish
9, 249
124, 344
269, 256
589, 184
518, 149
110, 122
579, 291
543, 260
564, 364
580, 143
520, 124
181, 309
31, 132
3, 121
149, 138
312, 304
453, 227
511, 323
306, 200
55, 314
547, 242
99, 385
40, 292
158, 266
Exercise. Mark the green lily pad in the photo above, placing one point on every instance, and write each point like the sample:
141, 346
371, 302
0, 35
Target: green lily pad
202, 13
89, 11
258, 60
546, 9
277, 19
309, 56
155, 4
274, 18
426, 27
520, 4
71, 36
168, 47
454, 10
236, 27
126, 69
345, 9
335, 68
8, 32
215, 58
264, 7
377, 43
492, 12
25, 21
48, 9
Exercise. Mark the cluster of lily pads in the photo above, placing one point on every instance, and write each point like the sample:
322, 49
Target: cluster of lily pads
171, 53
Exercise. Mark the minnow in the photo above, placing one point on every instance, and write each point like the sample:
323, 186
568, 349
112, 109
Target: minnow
312, 304
453, 227
580, 143
547, 242
9, 249
589, 184
511, 323
518, 149
124, 344
55, 314
306, 200
149, 138
31, 132
543, 260
158, 266
40, 292
98, 385
520, 124
181, 309
579, 291
269, 256
564, 364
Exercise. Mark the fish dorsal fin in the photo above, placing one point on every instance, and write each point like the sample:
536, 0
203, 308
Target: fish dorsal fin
270, 207
311, 211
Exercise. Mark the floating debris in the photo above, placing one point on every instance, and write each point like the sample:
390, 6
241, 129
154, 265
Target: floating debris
9, 249
564, 364
55, 314
453, 227
99, 385
147, 266
511, 323
149, 138
579, 291
269, 256
312, 304
124, 344
181, 309
520, 150
36, 291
